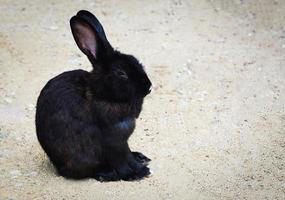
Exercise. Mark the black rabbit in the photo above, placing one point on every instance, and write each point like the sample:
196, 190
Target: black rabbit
84, 119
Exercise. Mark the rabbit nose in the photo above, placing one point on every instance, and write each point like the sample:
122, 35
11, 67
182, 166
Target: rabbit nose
150, 88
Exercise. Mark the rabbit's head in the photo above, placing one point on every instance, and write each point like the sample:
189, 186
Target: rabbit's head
115, 76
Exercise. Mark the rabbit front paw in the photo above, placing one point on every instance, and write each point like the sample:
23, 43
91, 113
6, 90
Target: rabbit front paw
141, 158
133, 171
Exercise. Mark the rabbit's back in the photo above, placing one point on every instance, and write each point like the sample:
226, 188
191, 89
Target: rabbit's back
64, 90
64, 93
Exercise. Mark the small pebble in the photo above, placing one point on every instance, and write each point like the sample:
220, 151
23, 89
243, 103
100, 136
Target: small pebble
13, 94
8, 100
179, 92
33, 173
15, 173
31, 107
53, 28
221, 40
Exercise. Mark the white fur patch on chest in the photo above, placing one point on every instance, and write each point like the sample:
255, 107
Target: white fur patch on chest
126, 124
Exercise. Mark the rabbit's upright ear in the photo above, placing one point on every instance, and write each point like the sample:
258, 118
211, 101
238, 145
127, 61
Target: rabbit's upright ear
89, 36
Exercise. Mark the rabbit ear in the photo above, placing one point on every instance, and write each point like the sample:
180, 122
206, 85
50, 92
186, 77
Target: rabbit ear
90, 36
96, 25
85, 37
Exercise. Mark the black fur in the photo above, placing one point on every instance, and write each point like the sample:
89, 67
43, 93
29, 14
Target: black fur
84, 119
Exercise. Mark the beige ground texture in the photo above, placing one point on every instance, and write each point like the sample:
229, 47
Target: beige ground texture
214, 124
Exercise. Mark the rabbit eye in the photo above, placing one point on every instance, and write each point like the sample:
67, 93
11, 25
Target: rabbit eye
121, 74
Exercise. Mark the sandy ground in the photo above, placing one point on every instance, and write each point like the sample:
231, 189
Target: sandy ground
214, 124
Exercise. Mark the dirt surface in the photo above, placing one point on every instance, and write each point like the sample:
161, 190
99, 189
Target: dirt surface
214, 124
